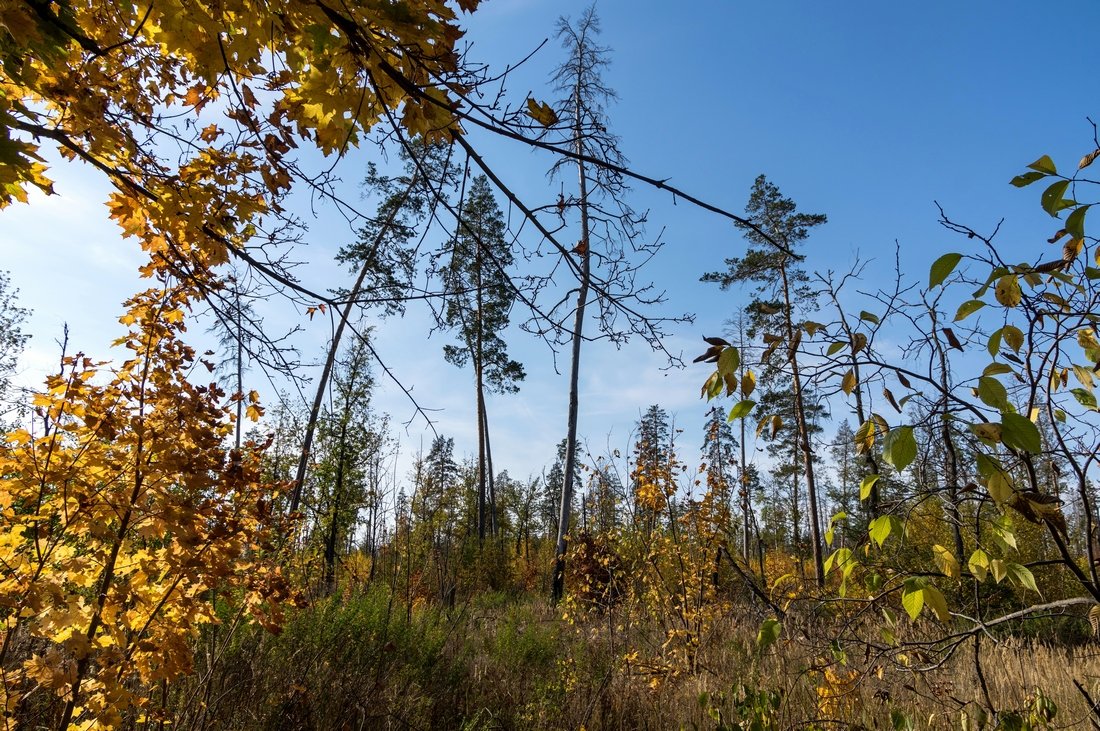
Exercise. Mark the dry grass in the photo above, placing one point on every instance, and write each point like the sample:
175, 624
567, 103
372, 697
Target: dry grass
357, 663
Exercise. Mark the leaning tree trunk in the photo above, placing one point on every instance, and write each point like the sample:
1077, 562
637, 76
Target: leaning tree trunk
803, 433
494, 519
326, 372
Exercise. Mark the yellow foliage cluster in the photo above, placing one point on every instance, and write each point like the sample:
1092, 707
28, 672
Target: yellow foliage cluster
193, 107
122, 516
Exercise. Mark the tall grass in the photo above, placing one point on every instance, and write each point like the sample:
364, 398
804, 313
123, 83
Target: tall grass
363, 661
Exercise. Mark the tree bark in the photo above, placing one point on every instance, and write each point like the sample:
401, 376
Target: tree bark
558, 583
330, 359
803, 433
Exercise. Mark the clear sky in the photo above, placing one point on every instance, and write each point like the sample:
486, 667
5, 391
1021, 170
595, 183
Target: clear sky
866, 111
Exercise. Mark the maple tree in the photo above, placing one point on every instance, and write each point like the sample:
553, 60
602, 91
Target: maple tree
309, 72
123, 514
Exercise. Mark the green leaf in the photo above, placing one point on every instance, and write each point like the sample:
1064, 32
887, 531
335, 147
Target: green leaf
1021, 576
996, 369
968, 308
881, 527
869, 317
1020, 433
1075, 222
1084, 398
728, 361
992, 393
912, 599
900, 447
942, 268
866, 486
1003, 533
769, 633
1044, 165
840, 559
994, 344
1026, 179
1000, 488
1013, 337
713, 386
1052, 197
987, 465
835, 348
741, 409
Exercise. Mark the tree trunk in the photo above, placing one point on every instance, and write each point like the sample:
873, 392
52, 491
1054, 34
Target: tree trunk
337, 494
803, 434
951, 459
330, 359
479, 375
494, 519
558, 584
746, 505
240, 368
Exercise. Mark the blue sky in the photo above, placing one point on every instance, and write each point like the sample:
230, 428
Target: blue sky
866, 111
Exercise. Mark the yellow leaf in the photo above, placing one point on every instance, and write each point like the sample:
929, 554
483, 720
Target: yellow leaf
541, 112
1008, 291
748, 383
849, 382
946, 561
1000, 487
859, 342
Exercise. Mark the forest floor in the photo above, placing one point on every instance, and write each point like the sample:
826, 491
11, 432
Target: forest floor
365, 660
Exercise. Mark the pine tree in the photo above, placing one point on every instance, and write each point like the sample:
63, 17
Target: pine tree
653, 467
781, 289
479, 300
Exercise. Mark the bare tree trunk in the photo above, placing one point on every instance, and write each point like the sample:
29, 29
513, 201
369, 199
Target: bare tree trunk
558, 585
803, 433
494, 519
337, 494
481, 487
951, 459
330, 359
240, 367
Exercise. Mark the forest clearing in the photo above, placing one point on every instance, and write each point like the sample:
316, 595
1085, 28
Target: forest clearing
428, 407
